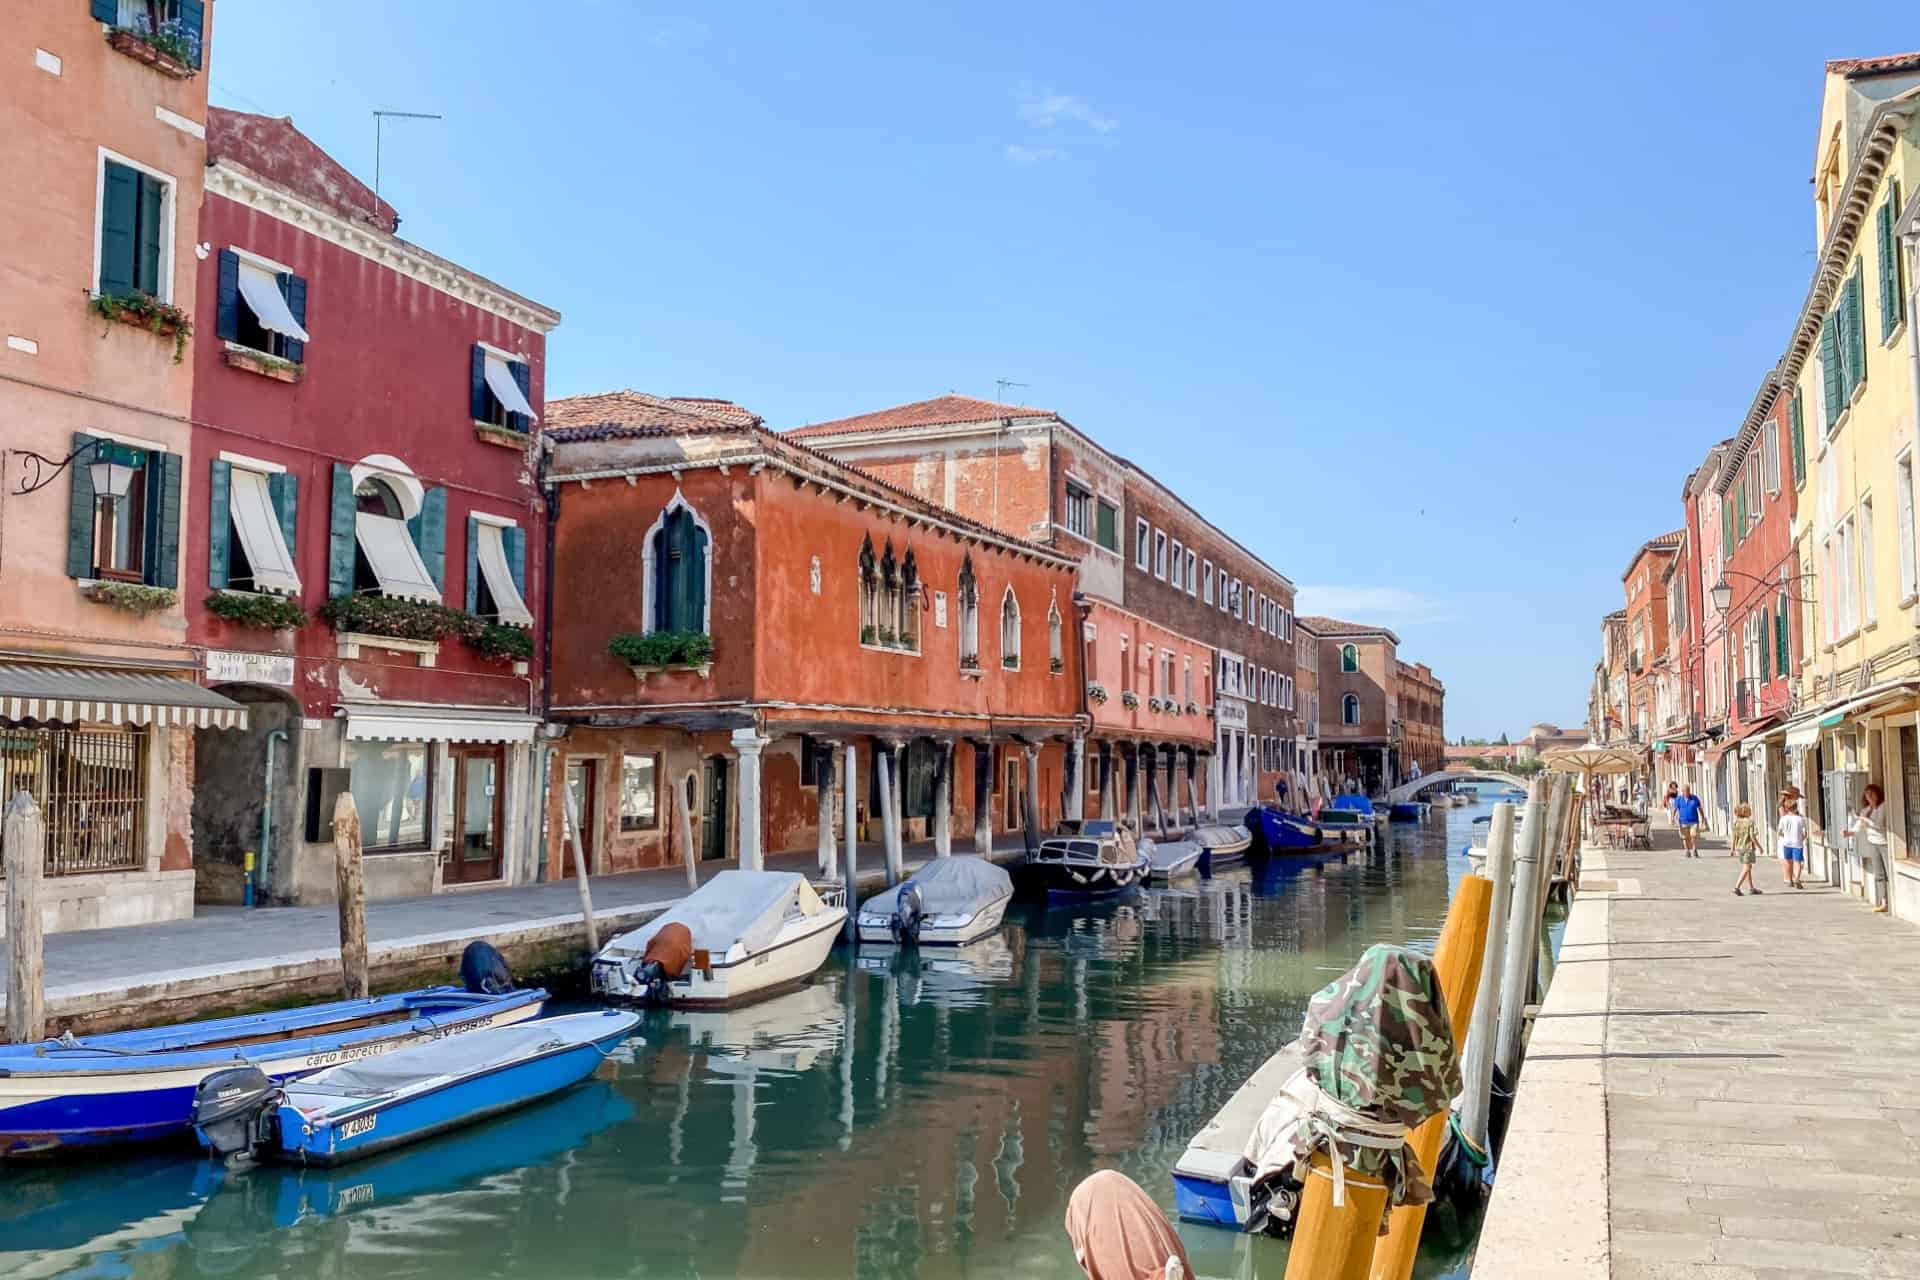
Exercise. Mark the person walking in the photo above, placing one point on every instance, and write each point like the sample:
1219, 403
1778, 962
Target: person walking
1686, 813
1666, 802
1746, 847
1869, 826
1793, 839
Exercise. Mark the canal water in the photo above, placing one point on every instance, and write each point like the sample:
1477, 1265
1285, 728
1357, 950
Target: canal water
904, 1116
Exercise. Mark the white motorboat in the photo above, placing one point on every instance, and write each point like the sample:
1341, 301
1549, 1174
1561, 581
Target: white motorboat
949, 902
743, 935
1482, 829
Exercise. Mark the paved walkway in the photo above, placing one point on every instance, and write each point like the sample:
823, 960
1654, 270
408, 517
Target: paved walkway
1754, 1091
110, 977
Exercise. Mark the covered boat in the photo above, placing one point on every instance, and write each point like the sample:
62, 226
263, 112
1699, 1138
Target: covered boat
355, 1110
1408, 811
948, 902
1170, 858
134, 1086
1101, 859
1277, 832
740, 936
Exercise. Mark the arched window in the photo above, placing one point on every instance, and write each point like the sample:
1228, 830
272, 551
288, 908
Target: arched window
889, 598
1350, 709
869, 593
1009, 631
1056, 659
1349, 658
969, 593
679, 572
909, 627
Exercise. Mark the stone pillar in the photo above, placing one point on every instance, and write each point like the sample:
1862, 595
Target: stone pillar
850, 822
1076, 807
1133, 791
747, 745
1032, 807
1106, 781
1213, 787
896, 852
1193, 785
1150, 772
943, 800
823, 755
983, 797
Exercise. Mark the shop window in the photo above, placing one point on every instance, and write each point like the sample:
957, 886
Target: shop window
639, 792
392, 785
1010, 631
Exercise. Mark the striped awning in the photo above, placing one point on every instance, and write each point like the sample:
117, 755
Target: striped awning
403, 723
67, 695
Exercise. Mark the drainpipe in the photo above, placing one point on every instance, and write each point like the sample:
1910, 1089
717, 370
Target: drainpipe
266, 817
1910, 242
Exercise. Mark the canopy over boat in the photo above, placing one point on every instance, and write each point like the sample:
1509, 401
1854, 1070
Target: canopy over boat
744, 907
948, 886
1353, 803
466, 1055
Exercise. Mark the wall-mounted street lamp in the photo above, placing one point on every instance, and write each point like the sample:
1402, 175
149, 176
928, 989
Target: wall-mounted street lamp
111, 467
1722, 594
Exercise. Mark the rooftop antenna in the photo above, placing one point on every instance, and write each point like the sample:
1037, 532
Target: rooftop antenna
1000, 398
378, 116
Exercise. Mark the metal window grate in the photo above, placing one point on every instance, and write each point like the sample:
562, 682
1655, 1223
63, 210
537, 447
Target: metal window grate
91, 786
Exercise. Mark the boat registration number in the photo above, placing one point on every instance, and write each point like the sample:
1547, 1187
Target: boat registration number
354, 1128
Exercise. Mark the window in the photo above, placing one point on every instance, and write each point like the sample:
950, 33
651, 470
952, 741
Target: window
1079, 510
261, 305
1849, 599
1089, 653
250, 522
889, 598
1206, 582
1153, 672
499, 389
135, 248
869, 593
386, 559
1142, 545
392, 785
1010, 631
1903, 473
1869, 606
1892, 294
1126, 668
1762, 630
497, 568
1056, 656
131, 538
1780, 634
908, 626
639, 792
1192, 586
1236, 597
1177, 577
969, 596
1349, 657
178, 20
1350, 709
1797, 438
120, 524
1726, 527
1843, 349
1186, 676
1160, 554
1770, 456
1106, 528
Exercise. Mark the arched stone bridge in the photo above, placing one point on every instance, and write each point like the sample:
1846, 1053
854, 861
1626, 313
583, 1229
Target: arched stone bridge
1415, 789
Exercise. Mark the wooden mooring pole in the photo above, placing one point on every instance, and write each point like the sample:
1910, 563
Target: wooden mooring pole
580, 869
1523, 922
1477, 1073
351, 892
25, 836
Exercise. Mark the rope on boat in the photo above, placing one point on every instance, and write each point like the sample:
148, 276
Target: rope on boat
1325, 1122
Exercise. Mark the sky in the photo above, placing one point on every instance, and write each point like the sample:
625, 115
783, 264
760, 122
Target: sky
1433, 309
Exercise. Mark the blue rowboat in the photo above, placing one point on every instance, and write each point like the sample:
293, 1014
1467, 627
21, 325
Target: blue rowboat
138, 1086
348, 1112
1277, 832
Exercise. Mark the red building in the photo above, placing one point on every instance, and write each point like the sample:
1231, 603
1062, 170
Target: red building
371, 579
754, 645
1645, 587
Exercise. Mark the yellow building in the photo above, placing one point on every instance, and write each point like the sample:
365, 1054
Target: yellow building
1849, 367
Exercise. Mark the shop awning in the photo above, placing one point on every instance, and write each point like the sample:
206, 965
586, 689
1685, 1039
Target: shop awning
1859, 705
35, 692
1803, 733
439, 724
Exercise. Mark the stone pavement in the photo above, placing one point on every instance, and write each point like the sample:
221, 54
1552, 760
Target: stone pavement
103, 978
1755, 1086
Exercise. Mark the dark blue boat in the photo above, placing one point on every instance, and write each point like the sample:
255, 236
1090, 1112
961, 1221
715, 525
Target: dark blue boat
1276, 831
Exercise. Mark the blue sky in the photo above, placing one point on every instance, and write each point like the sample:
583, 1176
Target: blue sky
1434, 309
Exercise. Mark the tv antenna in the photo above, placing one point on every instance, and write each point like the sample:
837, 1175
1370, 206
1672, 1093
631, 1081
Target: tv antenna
379, 116
1001, 385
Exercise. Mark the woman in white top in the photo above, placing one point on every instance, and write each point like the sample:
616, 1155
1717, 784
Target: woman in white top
1868, 823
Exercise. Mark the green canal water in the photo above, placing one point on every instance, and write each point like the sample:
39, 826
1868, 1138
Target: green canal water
905, 1116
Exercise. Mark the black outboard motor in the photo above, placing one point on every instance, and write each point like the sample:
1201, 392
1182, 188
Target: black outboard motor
654, 983
483, 970
908, 913
234, 1111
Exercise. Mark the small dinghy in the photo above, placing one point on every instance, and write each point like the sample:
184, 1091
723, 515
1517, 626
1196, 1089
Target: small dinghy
1170, 858
742, 935
1410, 811
137, 1086
1102, 859
352, 1111
1221, 845
949, 902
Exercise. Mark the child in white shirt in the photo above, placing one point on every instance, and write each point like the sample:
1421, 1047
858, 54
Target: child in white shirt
1793, 840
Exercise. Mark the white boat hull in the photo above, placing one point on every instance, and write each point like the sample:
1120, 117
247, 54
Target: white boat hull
793, 957
985, 922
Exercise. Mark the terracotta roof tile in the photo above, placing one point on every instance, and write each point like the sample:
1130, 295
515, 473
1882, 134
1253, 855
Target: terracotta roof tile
937, 412
1321, 625
1852, 68
637, 413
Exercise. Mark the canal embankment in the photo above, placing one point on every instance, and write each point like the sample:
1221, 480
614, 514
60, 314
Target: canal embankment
231, 959
1715, 1085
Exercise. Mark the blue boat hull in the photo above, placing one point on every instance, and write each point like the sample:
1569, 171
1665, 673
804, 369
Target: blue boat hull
1404, 813
1204, 1200
1281, 832
468, 1100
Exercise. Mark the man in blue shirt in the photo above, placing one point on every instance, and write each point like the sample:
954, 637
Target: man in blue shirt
1686, 812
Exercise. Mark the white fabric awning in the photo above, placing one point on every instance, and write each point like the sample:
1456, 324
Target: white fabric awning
439, 724
505, 389
262, 293
1803, 733
512, 610
68, 695
395, 560
259, 526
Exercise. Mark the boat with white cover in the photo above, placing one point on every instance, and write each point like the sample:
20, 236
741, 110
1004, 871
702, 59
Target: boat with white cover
742, 935
949, 902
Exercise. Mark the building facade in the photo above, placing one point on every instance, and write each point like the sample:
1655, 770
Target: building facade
1422, 700
1645, 586
1361, 743
369, 581
100, 690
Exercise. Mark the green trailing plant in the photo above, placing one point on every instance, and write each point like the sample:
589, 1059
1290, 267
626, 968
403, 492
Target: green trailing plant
969, 662
397, 619
493, 640
171, 38
133, 597
268, 613
1056, 665
663, 648
868, 635
888, 640
146, 311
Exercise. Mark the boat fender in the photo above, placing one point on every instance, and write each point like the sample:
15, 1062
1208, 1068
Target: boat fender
909, 911
233, 1113
483, 970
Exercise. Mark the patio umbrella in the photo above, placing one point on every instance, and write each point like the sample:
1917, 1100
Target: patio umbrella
1594, 761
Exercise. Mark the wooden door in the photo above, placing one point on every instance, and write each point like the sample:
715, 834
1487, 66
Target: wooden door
479, 799
1015, 788
713, 828
583, 783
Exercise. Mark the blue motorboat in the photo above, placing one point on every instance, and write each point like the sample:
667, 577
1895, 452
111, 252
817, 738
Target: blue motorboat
348, 1112
1411, 811
136, 1086
1352, 802
1276, 831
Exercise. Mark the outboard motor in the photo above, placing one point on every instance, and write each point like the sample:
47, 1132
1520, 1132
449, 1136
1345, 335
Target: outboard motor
234, 1111
667, 955
908, 913
483, 970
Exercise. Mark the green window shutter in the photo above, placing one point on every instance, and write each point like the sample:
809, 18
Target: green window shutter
163, 519
429, 530
219, 523
1726, 527
681, 576
342, 534
226, 306
1797, 434
119, 222
1763, 646
1780, 642
1104, 531
1883, 244
1854, 334
294, 289
473, 565
193, 21
515, 542
284, 490
1830, 372
146, 267
1740, 511
81, 513
107, 11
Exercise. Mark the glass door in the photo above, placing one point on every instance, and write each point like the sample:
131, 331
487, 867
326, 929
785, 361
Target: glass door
478, 800
583, 783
